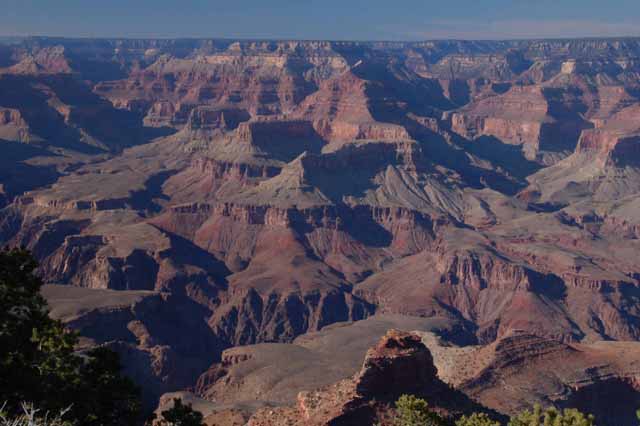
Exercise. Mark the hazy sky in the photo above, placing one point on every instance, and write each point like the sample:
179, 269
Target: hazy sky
322, 19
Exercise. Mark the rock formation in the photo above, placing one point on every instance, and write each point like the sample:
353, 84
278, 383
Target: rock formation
533, 369
399, 364
279, 187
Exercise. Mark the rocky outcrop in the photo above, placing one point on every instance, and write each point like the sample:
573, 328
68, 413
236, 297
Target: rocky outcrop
399, 364
13, 127
206, 123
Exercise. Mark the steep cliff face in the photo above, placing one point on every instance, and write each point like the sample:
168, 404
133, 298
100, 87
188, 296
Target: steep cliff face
614, 139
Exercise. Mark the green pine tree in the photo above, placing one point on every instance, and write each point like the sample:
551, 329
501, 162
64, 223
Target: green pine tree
476, 419
413, 411
552, 417
38, 363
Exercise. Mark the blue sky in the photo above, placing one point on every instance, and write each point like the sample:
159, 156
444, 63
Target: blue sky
322, 19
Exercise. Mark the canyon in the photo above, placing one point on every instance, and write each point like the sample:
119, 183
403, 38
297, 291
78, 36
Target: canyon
241, 220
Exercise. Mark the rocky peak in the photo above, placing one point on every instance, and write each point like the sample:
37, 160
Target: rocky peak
399, 363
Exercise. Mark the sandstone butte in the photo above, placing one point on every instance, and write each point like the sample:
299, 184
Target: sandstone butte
241, 220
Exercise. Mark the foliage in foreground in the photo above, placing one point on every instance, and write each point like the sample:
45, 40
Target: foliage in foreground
413, 411
477, 419
38, 363
552, 417
180, 415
